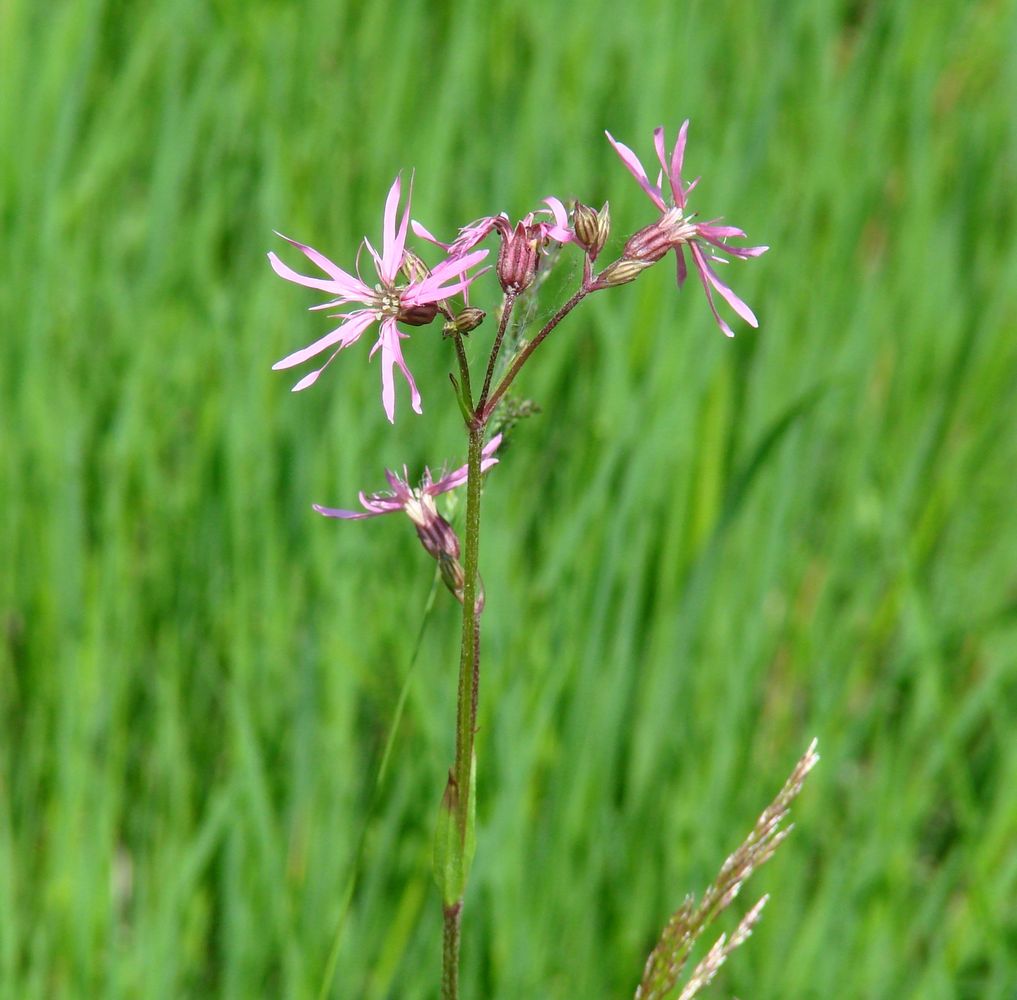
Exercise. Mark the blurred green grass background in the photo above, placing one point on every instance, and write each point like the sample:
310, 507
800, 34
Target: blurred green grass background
702, 554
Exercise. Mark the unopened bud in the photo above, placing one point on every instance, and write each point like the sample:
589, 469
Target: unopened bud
413, 267
417, 315
584, 222
467, 321
621, 272
517, 261
603, 226
592, 227
650, 243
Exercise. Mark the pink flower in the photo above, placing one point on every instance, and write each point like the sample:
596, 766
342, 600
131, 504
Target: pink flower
386, 303
418, 503
676, 229
434, 532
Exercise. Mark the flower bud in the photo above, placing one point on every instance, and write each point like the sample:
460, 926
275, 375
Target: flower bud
620, 272
584, 223
517, 261
417, 315
591, 227
603, 226
413, 267
468, 320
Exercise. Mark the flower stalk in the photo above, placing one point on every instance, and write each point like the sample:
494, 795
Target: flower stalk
525, 354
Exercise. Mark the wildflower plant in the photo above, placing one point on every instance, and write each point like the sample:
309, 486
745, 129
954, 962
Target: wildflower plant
409, 293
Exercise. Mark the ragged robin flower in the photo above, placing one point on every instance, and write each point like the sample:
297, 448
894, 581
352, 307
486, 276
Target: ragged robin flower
677, 230
434, 532
388, 303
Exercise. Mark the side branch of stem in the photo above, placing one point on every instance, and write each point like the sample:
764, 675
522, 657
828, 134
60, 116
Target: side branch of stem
487, 408
506, 314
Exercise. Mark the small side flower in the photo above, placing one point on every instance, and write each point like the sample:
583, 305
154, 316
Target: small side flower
677, 230
435, 533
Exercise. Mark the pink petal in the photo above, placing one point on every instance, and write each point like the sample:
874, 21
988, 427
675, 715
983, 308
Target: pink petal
635, 168
729, 296
675, 173
707, 234
429, 289
459, 476
388, 231
312, 377
401, 491
347, 515
392, 357
658, 145
702, 269
561, 216
424, 234
309, 379
385, 503
345, 334
491, 447
379, 263
345, 282
469, 236
394, 243
683, 271
344, 288
332, 304
374, 504
712, 232
387, 386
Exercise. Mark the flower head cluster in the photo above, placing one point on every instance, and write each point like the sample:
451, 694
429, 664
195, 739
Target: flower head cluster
408, 293
676, 229
387, 303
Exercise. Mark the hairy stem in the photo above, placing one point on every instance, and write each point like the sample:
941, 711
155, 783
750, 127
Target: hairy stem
464, 370
469, 654
450, 953
468, 664
469, 679
506, 313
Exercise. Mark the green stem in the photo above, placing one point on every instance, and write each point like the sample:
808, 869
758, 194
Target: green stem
464, 372
506, 312
450, 952
461, 787
469, 679
466, 721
